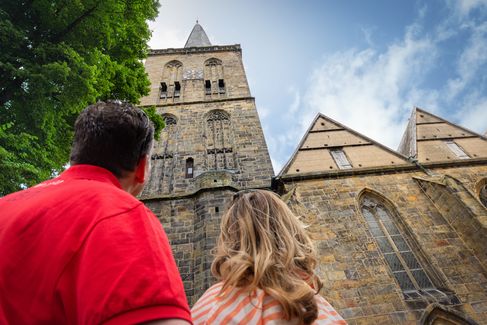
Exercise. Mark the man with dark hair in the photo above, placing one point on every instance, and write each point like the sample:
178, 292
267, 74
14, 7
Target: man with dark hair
80, 248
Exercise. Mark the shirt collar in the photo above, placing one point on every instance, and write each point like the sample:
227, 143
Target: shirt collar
90, 172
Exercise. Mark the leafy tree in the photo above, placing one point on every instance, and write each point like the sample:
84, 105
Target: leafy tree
57, 57
158, 121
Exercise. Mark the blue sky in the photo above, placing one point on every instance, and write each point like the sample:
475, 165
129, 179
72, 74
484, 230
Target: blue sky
363, 63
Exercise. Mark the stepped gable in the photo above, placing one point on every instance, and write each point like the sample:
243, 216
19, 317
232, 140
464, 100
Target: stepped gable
429, 138
328, 147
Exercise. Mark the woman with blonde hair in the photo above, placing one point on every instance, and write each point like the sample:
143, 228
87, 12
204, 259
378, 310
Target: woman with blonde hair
265, 265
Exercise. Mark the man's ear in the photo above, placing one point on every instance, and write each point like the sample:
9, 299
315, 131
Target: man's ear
140, 170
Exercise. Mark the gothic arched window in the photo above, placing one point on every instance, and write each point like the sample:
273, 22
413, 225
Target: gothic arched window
169, 121
218, 141
166, 146
163, 162
213, 74
171, 80
399, 255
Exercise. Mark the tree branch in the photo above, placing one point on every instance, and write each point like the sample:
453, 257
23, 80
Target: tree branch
75, 23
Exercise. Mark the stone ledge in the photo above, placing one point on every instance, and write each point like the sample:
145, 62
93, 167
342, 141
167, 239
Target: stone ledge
195, 193
455, 163
202, 49
348, 172
203, 101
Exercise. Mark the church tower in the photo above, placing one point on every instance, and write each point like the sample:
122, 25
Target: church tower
211, 147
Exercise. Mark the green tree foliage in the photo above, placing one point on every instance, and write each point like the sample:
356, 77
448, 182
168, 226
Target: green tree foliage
156, 119
57, 57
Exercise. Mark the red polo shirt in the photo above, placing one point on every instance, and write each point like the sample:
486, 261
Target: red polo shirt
78, 249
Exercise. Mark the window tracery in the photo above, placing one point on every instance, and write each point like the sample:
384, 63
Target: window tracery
399, 255
214, 79
218, 141
163, 156
171, 80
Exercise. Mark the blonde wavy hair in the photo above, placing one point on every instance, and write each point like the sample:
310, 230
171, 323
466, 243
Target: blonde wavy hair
263, 245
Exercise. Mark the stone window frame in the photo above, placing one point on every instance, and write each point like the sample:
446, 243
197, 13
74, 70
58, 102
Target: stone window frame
163, 90
171, 122
439, 292
214, 116
340, 158
164, 156
456, 149
171, 77
189, 168
215, 76
169, 119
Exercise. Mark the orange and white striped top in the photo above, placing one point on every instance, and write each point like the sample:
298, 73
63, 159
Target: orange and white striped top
238, 307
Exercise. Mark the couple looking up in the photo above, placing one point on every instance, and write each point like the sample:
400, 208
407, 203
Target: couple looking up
81, 249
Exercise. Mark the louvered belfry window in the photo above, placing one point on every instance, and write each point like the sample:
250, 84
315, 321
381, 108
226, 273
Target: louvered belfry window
214, 77
397, 252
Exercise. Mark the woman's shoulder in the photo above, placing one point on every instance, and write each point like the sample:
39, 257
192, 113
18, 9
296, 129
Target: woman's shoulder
326, 313
208, 297
238, 306
233, 306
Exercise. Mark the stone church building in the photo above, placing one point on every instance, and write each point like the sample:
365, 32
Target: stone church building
401, 235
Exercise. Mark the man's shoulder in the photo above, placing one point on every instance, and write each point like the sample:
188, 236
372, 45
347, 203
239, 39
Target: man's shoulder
84, 197
98, 195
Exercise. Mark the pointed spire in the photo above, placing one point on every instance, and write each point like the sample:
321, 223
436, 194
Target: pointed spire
198, 37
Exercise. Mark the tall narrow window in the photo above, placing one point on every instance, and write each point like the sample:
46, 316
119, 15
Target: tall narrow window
189, 167
163, 90
221, 86
177, 89
340, 159
398, 254
455, 148
207, 87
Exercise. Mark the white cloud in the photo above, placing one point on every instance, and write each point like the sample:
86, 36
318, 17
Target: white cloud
369, 91
263, 112
474, 113
368, 31
472, 58
373, 92
466, 6
163, 38
296, 100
